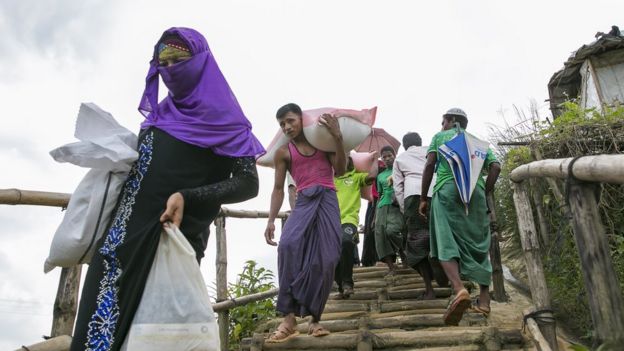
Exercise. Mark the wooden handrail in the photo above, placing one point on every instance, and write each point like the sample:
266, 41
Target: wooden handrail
243, 300
29, 197
45, 198
228, 212
600, 280
599, 168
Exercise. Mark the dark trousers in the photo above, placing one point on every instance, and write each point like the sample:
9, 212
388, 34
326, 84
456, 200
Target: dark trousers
369, 253
344, 270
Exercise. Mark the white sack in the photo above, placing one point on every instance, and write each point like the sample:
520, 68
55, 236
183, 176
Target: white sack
355, 126
110, 150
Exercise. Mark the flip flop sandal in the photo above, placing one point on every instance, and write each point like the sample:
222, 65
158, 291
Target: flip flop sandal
318, 331
483, 310
282, 334
455, 311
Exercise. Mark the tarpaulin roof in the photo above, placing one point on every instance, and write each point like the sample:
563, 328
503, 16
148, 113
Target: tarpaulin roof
565, 84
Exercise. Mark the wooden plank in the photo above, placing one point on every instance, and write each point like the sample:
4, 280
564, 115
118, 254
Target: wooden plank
531, 247
601, 282
332, 341
543, 227
370, 269
343, 306
391, 306
66, 302
407, 321
382, 340
427, 338
222, 294
409, 312
416, 293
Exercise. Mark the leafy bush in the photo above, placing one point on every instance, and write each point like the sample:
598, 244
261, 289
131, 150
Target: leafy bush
576, 132
243, 319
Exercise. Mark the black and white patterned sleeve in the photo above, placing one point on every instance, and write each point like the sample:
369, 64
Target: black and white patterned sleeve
241, 186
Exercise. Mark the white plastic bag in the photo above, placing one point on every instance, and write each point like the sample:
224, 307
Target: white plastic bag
355, 126
109, 149
175, 313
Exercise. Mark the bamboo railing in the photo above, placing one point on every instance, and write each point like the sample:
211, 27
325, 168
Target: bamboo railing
66, 302
582, 176
223, 304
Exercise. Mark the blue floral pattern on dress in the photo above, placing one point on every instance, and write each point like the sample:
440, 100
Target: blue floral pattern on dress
100, 335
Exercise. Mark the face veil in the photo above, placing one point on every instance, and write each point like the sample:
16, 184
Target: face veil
200, 108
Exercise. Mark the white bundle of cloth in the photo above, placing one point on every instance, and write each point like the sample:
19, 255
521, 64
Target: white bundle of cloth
109, 149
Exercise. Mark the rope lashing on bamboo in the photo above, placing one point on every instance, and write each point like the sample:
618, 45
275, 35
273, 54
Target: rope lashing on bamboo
572, 179
539, 317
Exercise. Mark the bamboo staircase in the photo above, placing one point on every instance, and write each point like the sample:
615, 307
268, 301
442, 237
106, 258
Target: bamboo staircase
385, 313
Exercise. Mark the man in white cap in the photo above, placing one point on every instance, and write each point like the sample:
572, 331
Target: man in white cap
460, 239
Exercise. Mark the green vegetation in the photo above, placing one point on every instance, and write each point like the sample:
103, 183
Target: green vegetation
576, 132
243, 319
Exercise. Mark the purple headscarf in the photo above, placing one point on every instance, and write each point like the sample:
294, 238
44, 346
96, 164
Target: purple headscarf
200, 108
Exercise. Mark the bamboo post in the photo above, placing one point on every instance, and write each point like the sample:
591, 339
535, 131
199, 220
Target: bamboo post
66, 303
224, 320
534, 331
538, 338
553, 183
498, 279
601, 282
554, 187
531, 248
538, 195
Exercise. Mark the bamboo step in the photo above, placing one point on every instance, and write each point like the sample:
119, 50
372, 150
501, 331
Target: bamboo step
448, 338
361, 294
385, 313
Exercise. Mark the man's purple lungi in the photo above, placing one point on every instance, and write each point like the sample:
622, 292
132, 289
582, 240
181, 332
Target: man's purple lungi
308, 252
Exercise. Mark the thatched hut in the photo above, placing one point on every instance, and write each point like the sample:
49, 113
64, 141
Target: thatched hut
594, 74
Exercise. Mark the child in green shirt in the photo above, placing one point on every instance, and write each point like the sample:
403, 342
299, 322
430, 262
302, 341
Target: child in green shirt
389, 224
348, 188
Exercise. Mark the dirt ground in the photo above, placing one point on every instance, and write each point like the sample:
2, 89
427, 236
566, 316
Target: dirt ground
509, 314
